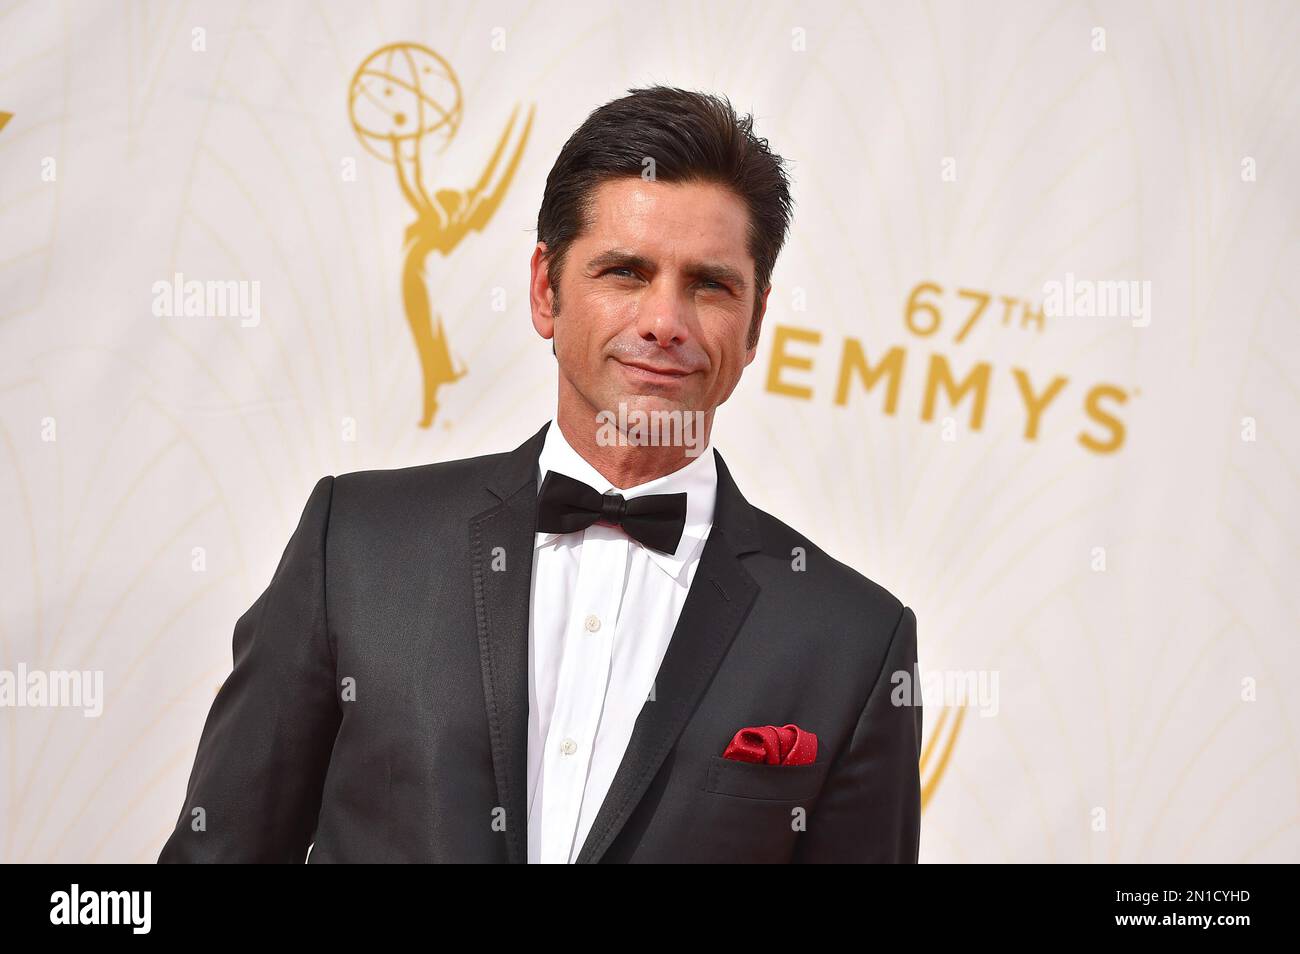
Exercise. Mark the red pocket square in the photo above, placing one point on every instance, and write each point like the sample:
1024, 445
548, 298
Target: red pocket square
773, 745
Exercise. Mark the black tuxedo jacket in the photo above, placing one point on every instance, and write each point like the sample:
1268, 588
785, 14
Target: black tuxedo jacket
378, 706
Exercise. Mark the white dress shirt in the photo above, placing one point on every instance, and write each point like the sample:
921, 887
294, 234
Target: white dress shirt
602, 613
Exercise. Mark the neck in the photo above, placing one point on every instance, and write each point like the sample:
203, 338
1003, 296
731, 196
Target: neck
623, 464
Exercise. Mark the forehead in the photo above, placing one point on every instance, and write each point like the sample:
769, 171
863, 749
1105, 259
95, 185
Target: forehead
696, 218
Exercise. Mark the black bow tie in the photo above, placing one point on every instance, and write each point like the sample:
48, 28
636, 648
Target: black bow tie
566, 505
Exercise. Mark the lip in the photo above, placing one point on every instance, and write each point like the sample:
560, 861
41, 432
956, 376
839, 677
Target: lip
650, 372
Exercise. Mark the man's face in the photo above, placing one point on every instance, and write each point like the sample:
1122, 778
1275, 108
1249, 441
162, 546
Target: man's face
656, 297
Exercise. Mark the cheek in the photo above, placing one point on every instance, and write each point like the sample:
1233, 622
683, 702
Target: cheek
729, 351
729, 374
604, 316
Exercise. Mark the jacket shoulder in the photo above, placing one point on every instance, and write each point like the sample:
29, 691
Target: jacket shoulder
402, 492
825, 577
458, 469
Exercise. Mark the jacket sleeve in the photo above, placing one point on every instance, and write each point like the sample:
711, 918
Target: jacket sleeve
870, 806
255, 789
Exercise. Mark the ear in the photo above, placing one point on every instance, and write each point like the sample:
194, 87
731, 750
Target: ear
762, 311
539, 293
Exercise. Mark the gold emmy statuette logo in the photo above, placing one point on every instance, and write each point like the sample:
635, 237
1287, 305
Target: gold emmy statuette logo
4, 118
405, 106
938, 749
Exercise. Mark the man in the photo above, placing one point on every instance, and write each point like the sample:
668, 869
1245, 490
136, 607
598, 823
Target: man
591, 648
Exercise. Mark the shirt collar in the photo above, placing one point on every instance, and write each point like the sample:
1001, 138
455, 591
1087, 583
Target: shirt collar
698, 480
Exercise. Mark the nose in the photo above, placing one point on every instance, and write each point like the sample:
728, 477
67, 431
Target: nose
663, 315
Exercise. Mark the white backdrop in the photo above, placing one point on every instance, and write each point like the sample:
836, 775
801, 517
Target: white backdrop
1133, 603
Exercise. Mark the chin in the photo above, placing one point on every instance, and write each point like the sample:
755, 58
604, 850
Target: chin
647, 403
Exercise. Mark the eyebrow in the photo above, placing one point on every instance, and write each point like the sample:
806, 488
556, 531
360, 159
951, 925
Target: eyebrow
706, 271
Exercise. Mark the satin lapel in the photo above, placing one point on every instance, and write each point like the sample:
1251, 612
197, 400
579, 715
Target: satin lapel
721, 594
501, 548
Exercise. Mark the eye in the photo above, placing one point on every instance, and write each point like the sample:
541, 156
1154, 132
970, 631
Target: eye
716, 285
621, 268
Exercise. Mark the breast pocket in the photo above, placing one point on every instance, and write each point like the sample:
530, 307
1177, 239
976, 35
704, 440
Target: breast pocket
752, 813
780, 783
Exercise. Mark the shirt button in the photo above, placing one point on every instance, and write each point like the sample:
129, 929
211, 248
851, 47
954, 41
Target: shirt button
593, 623
568, 747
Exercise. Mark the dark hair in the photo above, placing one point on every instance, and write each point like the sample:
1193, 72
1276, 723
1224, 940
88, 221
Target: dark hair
691, 137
